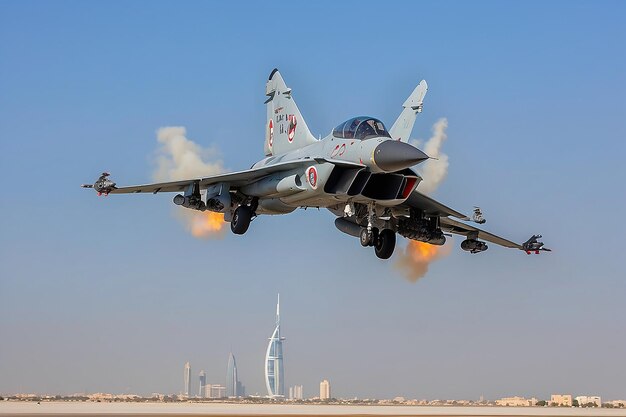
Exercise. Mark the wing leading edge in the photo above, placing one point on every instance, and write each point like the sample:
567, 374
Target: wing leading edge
431, 206
235, 179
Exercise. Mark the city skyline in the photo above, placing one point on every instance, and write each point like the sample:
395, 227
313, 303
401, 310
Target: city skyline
218, 392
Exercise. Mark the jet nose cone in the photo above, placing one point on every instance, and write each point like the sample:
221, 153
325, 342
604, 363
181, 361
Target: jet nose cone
393, 155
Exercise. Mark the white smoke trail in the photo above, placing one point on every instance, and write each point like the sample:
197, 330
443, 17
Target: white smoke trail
179, 158
434, 171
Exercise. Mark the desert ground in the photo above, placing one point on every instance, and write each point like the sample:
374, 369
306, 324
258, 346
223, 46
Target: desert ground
22, 409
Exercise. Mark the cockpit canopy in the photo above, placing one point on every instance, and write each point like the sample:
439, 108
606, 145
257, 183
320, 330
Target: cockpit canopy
361, 128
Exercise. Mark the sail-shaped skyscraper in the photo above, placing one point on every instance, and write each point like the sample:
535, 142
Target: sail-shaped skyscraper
274, 371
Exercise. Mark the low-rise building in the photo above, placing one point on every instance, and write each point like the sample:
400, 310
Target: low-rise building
587, 400
215, 391
516, 402
102, 396
561, 400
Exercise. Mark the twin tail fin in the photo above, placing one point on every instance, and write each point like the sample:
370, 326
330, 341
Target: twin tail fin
285, 128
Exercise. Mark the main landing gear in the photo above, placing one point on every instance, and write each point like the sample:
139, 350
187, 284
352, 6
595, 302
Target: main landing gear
384, 242
241, 220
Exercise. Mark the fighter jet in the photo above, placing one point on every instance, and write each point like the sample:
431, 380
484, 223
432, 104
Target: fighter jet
362, 172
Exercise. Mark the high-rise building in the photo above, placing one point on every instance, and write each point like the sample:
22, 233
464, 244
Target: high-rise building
187, 379
295, 392
274, 372
233, 386
241, 389
201, 389
324, 390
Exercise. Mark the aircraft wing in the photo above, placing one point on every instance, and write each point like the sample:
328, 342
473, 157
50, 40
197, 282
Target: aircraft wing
431, 206
164, 187
234, 179
456, 227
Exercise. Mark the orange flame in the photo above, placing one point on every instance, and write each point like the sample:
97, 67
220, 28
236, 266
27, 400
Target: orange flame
417, 256
423, 251
202, 224
206, 224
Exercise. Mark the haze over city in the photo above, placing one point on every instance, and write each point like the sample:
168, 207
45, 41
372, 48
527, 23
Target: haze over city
115, 294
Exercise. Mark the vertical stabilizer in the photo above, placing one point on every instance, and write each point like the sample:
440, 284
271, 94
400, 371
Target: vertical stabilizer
401, 129
285, 128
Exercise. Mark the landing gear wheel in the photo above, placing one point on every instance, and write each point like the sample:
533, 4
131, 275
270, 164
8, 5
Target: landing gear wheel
374, 236
385, 244
365, 237
241, 220
368, 238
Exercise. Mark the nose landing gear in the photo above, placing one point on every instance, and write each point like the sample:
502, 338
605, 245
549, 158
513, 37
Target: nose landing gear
384, 242
368, 237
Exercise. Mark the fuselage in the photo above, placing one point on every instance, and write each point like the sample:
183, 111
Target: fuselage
348, 165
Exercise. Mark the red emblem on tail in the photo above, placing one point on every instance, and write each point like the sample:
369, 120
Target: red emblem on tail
293, 122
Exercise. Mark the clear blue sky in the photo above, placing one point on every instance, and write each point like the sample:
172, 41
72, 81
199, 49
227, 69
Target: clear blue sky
113, 295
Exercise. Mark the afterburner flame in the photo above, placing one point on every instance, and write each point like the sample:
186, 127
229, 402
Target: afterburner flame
421, 251
207, 224
417, 256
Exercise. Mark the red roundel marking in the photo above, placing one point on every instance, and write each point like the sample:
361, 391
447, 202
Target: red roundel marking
311, 177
